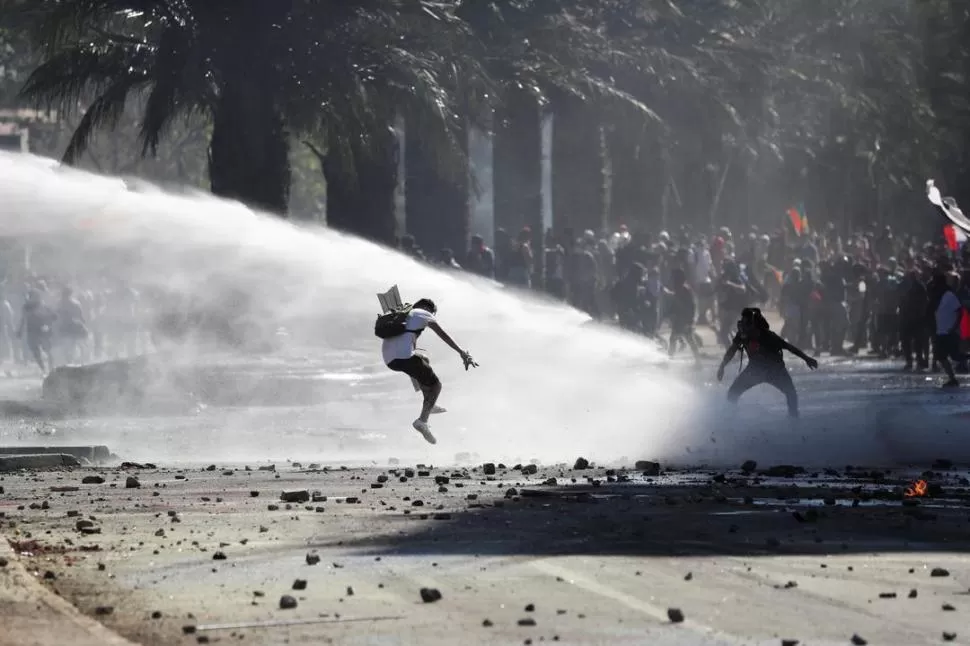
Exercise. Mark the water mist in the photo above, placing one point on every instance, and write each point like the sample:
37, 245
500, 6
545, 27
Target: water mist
548, 388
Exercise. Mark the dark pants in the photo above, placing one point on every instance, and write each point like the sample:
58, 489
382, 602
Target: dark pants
913, 338
773, 374
418, 368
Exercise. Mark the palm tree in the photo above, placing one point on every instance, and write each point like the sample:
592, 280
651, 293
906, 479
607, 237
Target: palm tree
363, 87
260, 71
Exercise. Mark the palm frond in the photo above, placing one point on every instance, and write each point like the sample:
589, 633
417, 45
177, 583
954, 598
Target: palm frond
104, 112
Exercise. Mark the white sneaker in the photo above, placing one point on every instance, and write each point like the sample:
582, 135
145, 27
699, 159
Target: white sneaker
425, 430
438, 409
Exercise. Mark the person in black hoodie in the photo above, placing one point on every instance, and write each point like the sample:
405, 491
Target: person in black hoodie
683, 311
913, 301
766, 364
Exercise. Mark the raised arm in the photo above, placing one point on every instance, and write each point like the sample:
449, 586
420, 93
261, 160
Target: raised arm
447, 339
812, 363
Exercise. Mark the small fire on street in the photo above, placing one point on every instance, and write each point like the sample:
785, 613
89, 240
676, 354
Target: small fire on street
917, 490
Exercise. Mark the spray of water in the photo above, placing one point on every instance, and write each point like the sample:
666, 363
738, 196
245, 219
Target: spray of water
548, 388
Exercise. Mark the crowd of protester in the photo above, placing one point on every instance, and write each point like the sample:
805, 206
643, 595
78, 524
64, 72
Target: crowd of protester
46, 322
871, 292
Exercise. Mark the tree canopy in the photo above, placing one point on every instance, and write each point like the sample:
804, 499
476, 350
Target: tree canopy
850, 103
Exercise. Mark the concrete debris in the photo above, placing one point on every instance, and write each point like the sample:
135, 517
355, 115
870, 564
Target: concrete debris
430, 595
675, 615
287, 602
312, 559
132, 483
299, 584
295, 495
648, 467
488, 469
92, 480
938, 572
581, 464
858, 641
530, 469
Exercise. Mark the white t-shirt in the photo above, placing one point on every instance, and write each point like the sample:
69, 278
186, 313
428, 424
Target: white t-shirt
948, 313
402, 347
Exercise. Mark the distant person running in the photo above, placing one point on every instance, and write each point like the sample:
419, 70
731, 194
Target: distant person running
400, 330
766, 365
37, 320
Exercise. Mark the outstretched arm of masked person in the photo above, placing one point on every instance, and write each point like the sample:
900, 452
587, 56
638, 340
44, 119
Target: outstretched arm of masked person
812, 363
728, 356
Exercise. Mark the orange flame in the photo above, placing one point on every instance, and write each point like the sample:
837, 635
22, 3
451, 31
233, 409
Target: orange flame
919, 488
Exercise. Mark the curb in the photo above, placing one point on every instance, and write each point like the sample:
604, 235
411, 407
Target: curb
32, 615
37, 461
92, 453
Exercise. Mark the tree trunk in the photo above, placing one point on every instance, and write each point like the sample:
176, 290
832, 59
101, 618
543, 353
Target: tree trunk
360, 191
249, 152
437, 204
638, 180
579, 180
518, 170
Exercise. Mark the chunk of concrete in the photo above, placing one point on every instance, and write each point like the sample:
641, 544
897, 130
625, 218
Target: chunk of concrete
37, 461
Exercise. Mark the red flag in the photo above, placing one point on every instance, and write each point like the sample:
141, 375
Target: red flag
954, 237
796, 220
964, 325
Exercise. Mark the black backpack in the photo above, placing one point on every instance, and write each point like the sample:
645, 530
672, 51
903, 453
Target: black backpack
393, 323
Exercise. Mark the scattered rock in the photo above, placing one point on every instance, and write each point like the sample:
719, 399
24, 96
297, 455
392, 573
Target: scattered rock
295, 495
938, 571
949, 637
286, 601
132, 483
188, 630
784, 471
156, 615
92, 480
688, 576
948, 608
219, 556
530, 469
858, 641
942, 464
488, 469
103, 611
487, 623
749, 465
430, 595
887, 595
913, 594
675, 615
3, 562
528, 621
312, 559
299, 584
530, 608
789, 642
581, 464
254, 494
649, 467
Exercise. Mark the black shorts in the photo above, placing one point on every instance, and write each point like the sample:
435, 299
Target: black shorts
946, 345
418, 368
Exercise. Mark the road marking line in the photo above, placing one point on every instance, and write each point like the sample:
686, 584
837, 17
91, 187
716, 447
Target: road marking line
627, 600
